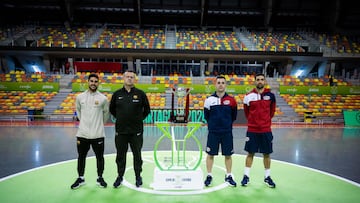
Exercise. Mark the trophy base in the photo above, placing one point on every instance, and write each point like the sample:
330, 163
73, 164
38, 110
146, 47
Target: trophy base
180, 119
178, 180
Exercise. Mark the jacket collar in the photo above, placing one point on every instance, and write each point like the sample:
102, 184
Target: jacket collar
265, 90
215, 95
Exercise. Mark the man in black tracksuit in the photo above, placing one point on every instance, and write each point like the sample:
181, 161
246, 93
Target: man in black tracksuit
130, 107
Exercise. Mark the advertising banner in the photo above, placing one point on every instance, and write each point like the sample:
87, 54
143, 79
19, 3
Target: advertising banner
160, 88
107, 87
29, 86
195, 115
340, 90
164, 116
352, 118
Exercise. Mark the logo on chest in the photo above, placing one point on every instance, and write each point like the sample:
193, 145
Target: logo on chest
226, 102
135, 98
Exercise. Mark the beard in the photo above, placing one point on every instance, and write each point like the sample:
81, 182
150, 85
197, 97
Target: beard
93, 88
259, 86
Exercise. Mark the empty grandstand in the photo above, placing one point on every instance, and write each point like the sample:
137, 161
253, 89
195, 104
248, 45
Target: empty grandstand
312, 64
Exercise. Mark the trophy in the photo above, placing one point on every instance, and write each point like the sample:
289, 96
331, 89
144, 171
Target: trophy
180, 113
176, 167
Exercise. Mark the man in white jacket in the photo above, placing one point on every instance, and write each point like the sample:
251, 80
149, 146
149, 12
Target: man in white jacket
92, 109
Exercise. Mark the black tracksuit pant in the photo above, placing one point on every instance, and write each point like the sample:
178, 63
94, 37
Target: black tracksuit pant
83, 146
122, 142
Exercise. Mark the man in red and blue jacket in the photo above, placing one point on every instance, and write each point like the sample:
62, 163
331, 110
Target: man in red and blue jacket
259, 108
220, 111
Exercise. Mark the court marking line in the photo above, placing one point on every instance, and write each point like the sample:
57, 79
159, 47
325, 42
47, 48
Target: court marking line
319, 171
284, 162
174, 192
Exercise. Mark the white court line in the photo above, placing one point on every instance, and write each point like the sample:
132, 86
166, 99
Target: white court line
319, 171
207, 190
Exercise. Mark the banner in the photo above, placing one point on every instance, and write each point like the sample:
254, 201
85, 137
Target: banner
29, 86
352, 118
160, 88
104, 87
340, 90
110, 67
163, 115
107, 87
209, 89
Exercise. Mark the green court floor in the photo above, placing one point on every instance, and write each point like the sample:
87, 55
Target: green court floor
294, 184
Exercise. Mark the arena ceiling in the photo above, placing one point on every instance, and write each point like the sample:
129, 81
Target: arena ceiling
317, 15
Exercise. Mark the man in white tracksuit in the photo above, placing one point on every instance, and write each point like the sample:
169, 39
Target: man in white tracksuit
92, 109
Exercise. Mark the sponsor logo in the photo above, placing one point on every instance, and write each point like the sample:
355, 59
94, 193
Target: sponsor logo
153, 88
354, 91
24, 86
105, 88
230, 90
292, 90
82, 86
48, 87
313, 90
334, 90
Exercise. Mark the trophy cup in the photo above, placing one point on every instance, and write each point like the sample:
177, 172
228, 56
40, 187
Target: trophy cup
181, 96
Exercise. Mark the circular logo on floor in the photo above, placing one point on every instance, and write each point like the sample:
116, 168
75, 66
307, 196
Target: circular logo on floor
218, 171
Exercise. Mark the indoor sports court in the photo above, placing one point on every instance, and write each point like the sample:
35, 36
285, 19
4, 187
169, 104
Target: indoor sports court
310, 164
296, 61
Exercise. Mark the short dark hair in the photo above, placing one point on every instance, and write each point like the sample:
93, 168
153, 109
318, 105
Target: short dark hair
259, 74
93, 75
220, 77
130, 71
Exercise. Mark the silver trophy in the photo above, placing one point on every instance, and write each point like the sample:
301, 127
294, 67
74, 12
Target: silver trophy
180, 110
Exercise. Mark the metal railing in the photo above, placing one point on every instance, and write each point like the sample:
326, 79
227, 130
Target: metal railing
28, 120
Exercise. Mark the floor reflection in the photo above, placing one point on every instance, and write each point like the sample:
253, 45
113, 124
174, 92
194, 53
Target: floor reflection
333, 150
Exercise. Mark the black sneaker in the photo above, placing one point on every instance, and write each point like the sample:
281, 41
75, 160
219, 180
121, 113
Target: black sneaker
268, 181
101, 182
229, 180
79, 182
117, 182
138, 182
208, 180
245, 180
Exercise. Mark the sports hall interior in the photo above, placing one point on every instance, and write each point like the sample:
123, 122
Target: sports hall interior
308, 50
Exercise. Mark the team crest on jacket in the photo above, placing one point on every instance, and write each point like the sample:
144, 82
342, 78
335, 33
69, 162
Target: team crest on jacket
227, 102
135, 97
96, 102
